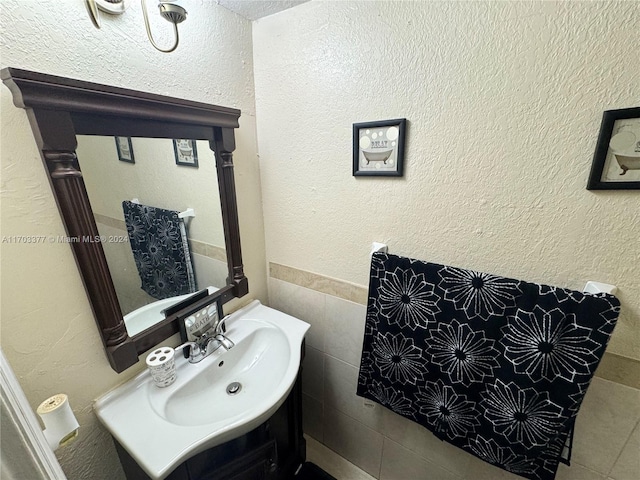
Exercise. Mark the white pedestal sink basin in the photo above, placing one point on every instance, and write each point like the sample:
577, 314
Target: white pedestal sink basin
162, 427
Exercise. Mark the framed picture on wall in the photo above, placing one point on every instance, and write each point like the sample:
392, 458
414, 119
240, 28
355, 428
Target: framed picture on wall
378, 148
186, 153
125, 149
616, 162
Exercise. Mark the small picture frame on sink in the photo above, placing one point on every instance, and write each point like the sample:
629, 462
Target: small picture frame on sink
197, 321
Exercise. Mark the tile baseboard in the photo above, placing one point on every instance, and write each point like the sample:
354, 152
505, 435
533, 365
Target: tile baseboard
319, 283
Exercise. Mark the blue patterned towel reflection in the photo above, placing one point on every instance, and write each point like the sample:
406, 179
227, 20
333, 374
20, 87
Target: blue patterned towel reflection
158, 240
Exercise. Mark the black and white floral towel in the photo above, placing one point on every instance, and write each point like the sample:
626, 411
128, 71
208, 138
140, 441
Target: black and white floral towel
495, 366
158, 240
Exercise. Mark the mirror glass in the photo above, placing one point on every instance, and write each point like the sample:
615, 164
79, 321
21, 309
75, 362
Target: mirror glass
143, 241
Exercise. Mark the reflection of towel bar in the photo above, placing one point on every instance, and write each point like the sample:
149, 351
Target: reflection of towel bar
189, 212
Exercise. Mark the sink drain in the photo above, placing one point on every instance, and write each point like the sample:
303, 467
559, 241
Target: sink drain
234, 388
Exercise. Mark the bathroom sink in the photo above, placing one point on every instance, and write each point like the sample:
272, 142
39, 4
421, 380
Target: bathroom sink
254, 365
227, 394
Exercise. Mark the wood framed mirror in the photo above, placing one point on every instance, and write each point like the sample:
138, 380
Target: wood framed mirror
62, 109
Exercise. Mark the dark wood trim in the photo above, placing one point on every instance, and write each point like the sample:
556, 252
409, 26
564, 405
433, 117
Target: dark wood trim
59, 109
86, 124
38, 90
223, 145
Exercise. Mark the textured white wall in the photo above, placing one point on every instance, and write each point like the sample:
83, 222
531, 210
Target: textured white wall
48, 331
504, 102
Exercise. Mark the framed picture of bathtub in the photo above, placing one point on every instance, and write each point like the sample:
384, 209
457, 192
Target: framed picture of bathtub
125, 149
378, 148
185, 151
616, 163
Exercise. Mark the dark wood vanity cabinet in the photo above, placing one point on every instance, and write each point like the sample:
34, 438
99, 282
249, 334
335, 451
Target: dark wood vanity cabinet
273, 451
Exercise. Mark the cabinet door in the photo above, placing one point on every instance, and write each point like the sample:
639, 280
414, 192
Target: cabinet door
258, 464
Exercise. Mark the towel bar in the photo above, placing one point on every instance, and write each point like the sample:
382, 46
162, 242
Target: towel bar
590, 287
378, 247
189, 212
597, 287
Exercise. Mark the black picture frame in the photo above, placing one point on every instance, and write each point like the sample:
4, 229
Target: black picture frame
185, 152
184, 337
612, 163
125, 149
378, 148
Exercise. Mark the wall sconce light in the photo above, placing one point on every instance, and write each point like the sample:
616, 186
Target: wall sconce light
171, 12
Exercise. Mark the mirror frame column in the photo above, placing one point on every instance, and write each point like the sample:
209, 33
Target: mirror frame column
223, 145
55, 137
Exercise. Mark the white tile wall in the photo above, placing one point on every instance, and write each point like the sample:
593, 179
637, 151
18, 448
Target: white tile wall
627, 466
400, 463
390, 447
356, 442
332, 463
302, 303
344, 329
606, 420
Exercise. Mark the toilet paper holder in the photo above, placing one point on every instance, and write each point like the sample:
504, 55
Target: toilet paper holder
61, 425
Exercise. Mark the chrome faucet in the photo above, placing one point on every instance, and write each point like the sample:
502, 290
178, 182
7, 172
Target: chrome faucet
208, 342
219, 334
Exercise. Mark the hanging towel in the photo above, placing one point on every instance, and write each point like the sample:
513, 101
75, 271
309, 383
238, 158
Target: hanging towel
158, 239
495, 366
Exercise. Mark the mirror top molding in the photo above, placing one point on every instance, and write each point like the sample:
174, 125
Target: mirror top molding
51, 92
60, 108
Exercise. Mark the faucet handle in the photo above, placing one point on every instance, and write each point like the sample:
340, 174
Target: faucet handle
221, 326
195, 348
